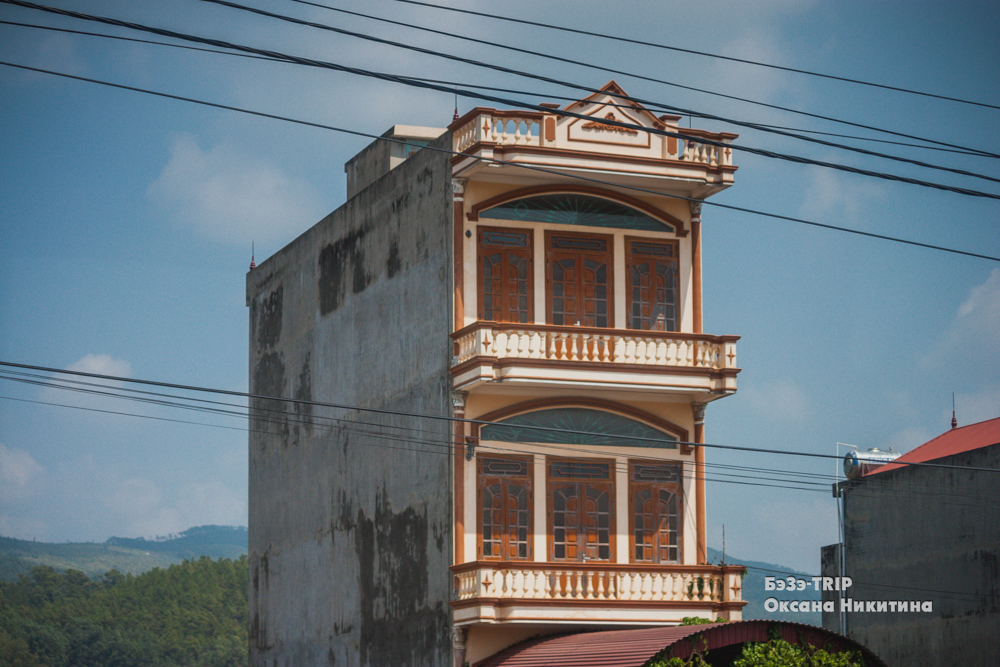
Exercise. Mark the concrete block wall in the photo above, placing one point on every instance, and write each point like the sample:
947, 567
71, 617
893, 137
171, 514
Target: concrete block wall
350, 531
928, 534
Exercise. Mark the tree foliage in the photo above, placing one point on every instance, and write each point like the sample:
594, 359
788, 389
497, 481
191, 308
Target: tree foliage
189, 615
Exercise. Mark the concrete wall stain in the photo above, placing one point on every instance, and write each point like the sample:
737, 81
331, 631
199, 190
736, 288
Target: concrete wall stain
392, 265
303, 392
269, 380
333, 261
398, 626
269, 318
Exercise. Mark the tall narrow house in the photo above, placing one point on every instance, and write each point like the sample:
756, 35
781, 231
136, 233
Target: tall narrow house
516, 309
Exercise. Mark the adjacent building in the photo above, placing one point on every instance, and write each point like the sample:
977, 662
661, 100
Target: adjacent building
518, 309
925, 535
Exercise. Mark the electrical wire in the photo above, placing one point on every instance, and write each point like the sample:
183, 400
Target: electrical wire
284, 417
409, 82
565, 98
521, 165
764, 128
519, 104
453, 419
588, 33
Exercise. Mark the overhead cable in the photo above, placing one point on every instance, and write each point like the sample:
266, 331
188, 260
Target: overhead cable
758, 126
419, 84
530, 167
497, 17
283, 417
565, 98
453, 419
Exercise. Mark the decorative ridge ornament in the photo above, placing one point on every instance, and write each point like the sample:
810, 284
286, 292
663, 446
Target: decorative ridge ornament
598, 125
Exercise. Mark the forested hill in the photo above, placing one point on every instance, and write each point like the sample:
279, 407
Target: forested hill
128, 555
189, 615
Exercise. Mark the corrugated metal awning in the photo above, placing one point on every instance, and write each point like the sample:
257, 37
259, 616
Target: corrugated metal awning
633, 648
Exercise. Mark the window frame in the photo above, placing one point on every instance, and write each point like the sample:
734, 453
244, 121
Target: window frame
608, 484
608, 255
527, 480
629, 255
677, 489
481, 253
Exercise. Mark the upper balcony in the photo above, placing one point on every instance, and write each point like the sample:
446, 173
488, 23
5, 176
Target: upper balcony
526, 354
591, 139
578, 593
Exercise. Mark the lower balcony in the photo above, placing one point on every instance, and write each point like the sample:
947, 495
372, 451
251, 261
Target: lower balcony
532, 354
599, 593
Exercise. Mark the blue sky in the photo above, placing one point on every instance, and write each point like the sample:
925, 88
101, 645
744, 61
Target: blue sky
127, 222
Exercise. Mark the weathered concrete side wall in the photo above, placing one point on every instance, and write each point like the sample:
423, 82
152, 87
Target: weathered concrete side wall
928, 534
350, 531
369, 165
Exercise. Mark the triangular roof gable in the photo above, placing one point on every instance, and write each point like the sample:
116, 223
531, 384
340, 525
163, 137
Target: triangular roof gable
610, 94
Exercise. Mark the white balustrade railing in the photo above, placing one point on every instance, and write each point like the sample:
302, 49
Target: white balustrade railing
513, 128
643, 348
503, 128
714, 156
572, 582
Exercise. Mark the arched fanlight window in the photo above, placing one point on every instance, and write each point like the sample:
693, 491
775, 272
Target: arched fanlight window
576, 209
577, 426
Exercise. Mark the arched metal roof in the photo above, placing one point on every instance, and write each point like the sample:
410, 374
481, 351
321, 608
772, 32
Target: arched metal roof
633, 648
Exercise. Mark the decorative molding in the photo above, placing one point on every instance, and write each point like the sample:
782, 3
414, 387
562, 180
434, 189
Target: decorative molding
458, 399
598, 125
458, 187
695, 207
698, 410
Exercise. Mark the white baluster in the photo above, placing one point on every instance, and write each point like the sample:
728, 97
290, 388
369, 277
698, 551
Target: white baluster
619, 349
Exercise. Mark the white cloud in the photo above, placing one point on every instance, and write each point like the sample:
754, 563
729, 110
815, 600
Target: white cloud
211, 502
838, 196
99, 364
231, 196
782, 400
17, 470
973, 337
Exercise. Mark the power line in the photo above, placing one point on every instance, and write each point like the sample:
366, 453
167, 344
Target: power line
410, 82
453, 419
764, 128
565, 98
530, 167
550, 26
284, 417
563, 112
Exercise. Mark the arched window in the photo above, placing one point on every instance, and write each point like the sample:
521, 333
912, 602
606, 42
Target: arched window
576, 209
577, 426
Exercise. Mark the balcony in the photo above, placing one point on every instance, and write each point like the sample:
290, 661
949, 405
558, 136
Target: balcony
512, 592
530, 354
552, 139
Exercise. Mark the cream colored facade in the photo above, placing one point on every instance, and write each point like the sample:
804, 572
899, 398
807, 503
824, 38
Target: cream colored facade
658, 379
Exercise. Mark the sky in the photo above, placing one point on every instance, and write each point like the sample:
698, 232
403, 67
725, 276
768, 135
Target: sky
127, 222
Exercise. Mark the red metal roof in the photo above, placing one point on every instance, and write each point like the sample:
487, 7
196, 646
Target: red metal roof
633, 648
955, 441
